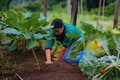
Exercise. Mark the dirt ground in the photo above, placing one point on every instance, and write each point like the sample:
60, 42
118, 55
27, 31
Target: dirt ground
60, 70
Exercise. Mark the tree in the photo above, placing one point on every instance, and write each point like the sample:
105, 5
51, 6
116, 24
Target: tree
98, 14
74, 12
81, 9
69, 8
103, 11
116, 14
45, 7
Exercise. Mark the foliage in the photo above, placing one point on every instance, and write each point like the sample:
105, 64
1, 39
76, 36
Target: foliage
103, 68
4, 5
24, 27
36, 6
92, 4
27, 27
106, 66
90, 33
109, 10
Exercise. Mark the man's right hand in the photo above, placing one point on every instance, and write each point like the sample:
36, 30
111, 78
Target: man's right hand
49, 62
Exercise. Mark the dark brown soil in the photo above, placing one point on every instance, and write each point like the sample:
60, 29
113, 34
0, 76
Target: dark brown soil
60, 70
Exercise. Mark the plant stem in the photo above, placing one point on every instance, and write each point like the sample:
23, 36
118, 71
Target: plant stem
109, 56
104, 71
117, 67
36, 58
55, 49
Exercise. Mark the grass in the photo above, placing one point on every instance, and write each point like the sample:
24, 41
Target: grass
89, 18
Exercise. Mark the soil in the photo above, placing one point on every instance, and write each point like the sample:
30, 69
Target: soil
59, 70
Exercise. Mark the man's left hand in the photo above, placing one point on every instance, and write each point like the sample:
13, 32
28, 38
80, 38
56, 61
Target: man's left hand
55, 59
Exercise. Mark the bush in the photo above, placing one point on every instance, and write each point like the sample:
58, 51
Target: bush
29, 6
108, 10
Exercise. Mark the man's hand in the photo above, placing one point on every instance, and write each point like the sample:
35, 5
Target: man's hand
55, 59
49, 62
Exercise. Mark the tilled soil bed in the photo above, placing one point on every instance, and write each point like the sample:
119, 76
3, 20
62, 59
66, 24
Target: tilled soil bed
60, 70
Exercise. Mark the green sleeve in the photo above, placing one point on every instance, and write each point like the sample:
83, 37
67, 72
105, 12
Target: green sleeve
50, 42
67, 42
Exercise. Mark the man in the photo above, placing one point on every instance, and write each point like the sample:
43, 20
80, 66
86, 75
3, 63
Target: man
59, 31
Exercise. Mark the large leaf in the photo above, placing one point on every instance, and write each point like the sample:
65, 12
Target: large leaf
88, 63
103, 42
117, 44
7, 42
92, 66
27, 35
13, 46
46, 28
32, 43
42, 18
40, 36
11, 31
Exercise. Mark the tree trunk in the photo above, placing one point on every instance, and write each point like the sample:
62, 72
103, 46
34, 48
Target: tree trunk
103, 11
69, 8
116, 14
45, 7
79, 16
98, 14
81, 9
74, 12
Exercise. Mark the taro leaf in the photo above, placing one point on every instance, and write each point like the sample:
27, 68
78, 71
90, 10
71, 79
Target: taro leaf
117, 44
11, 31
46, 28
7, 42
38, 36
119, 63
88, 63
87, 27
13, 46
103, 42
27, 35
106, 60
100, 28
42, 18
12, 19
32, 43
27, 14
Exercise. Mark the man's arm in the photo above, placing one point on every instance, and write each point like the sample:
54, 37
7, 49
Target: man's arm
62, 52
48, 56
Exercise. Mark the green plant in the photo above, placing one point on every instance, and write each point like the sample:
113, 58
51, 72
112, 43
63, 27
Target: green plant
106, 66
36, 6
27, 27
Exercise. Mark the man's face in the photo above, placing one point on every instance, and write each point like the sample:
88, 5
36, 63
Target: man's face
58, 31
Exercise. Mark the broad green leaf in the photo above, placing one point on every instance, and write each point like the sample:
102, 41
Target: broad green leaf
88, 63
11, 31
32, 43
38, 36
42, 18
13, 46
27, 35
27, 14
46, 28
7, 42
117, 44
103, 41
